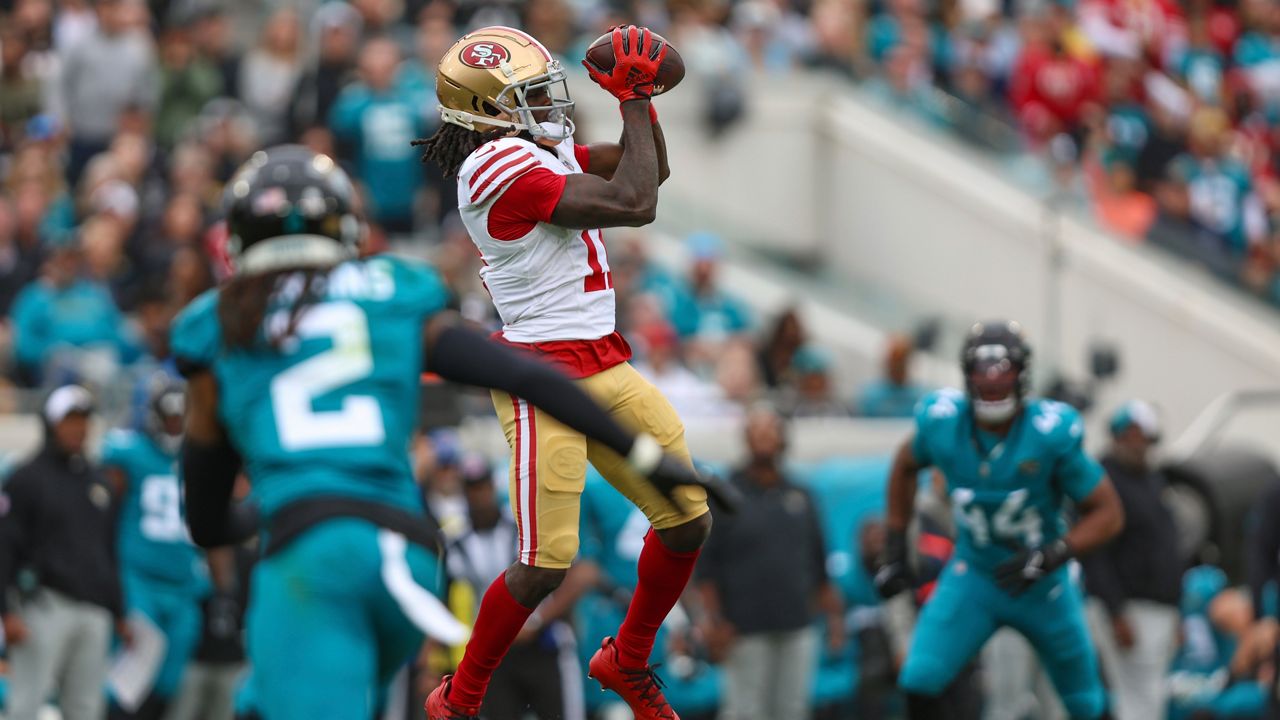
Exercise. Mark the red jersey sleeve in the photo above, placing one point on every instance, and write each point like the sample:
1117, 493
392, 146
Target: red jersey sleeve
582, 155
529, 200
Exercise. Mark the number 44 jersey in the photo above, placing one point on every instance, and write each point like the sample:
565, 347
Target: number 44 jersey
1006, 493
153, 539
328, 411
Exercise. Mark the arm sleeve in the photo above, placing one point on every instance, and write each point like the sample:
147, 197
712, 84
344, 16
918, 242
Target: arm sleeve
582, 154
467, 357
530, 199
208, 479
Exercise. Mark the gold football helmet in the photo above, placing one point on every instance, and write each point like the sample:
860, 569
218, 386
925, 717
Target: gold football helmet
500, 77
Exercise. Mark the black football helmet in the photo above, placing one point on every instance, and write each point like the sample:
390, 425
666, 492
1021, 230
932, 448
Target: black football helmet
166, 400
996, 351
289, 207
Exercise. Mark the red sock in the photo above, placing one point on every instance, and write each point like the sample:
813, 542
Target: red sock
497, 624
663, 575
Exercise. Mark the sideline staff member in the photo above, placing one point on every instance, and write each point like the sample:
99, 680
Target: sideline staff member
56, 527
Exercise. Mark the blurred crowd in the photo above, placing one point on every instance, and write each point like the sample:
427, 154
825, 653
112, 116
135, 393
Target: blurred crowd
120, 120
1156, 117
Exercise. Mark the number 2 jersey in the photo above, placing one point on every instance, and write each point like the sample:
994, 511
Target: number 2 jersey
152, 532
551, 285
331, 412
1006, 493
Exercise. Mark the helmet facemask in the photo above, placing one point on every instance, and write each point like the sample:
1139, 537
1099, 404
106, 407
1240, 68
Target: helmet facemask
540, 106
994, 384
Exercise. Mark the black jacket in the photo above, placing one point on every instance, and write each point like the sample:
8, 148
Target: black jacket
1142, 563
56, 519
768, 560
1263, 537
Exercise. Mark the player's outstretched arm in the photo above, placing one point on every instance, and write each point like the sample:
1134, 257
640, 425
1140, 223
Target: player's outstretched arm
894, 575
1101, 518
462, 355
902, 487
209, 468
630, 196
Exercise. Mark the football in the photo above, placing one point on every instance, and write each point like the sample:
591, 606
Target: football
670, 73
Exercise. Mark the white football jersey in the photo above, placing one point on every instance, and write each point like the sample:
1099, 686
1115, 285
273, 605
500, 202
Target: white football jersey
551, 284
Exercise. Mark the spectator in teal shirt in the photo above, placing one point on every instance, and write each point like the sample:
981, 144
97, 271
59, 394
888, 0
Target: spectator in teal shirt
379, 119
62, 311
894, 395
701, 309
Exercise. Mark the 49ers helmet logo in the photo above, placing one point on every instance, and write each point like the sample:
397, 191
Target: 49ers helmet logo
484, 55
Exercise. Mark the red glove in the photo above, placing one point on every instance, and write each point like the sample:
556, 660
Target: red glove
635, 66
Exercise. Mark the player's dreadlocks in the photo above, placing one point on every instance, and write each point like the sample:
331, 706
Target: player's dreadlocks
242, 305
451, 144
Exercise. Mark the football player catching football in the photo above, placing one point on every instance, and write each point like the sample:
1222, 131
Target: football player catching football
534, 203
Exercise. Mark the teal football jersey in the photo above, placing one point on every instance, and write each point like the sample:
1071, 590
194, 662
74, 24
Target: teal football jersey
152, 535
1221, 197
332, 411
1006, 493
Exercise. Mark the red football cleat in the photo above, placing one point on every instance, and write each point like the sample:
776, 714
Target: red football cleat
641, 688
438, 707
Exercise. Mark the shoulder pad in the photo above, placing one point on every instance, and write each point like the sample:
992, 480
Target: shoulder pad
418, 285
1057, 421
939, 406
494, 165
118, 443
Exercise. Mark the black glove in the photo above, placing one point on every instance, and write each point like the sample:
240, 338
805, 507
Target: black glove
668, 472
1017, 574
894, 575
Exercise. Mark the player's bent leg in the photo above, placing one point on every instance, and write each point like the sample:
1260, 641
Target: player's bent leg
640, 407
670, 549
952, 627
548, 472
1052, 617
311, 638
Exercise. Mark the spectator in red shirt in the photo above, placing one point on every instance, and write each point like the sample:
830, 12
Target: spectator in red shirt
1051, 90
